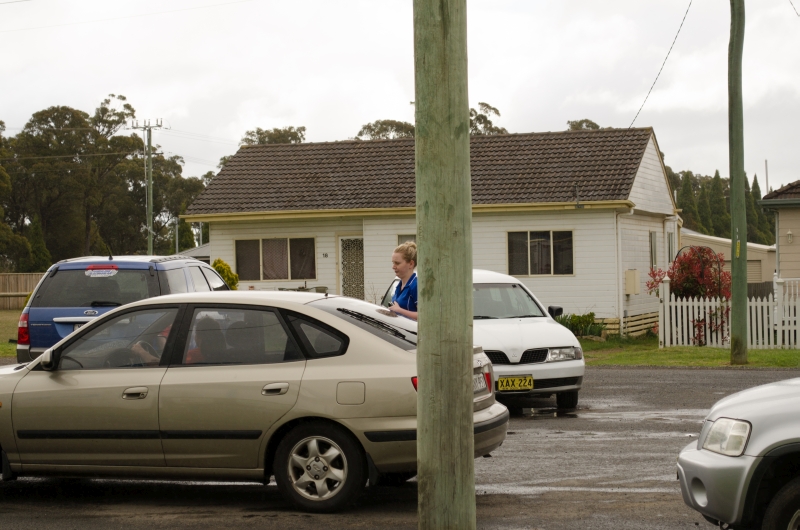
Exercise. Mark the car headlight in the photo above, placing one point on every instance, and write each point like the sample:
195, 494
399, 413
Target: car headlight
564, 354
727, 437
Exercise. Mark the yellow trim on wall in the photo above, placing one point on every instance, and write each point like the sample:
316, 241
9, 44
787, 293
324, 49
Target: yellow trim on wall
375, 212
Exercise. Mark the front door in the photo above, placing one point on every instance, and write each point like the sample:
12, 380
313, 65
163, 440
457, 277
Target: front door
351, 270
100, 405
239, 372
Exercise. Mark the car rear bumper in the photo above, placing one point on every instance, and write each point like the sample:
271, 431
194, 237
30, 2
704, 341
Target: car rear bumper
392, 442
26, 354
715, 485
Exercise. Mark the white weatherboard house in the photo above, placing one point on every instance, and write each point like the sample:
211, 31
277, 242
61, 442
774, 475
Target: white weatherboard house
578, 216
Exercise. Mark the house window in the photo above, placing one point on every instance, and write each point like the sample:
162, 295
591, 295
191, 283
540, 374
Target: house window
653, 250
407, 237
276, 259
540, 252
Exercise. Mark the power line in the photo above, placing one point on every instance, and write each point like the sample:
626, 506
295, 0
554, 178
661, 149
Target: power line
662, 65
15, 2
125, 17
795, 9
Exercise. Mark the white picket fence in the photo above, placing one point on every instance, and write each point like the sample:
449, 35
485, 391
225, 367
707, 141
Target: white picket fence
772, 321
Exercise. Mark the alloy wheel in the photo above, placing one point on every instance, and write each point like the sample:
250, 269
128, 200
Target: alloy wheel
317, 468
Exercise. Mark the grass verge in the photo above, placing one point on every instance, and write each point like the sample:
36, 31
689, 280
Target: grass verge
8, 330
644, 351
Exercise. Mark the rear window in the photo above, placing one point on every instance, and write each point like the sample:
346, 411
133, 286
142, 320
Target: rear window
95, 288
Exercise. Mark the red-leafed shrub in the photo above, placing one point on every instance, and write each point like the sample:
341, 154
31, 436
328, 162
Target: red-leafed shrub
697, 273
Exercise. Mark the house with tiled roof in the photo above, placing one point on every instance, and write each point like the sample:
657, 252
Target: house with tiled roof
578, 216
785, 202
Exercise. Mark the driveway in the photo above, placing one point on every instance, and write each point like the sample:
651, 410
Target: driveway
609, 465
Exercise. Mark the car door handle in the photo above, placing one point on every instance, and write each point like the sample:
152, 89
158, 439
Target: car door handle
137, 392
275, 389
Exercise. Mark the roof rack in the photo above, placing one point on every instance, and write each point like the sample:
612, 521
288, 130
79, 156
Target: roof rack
162, 259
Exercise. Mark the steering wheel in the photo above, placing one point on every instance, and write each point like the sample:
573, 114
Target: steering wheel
121, 358
146, 346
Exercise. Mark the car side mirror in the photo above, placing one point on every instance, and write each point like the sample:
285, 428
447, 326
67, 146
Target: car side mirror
47, 361
555, 311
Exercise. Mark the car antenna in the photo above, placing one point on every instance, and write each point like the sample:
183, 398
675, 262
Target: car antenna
110, 257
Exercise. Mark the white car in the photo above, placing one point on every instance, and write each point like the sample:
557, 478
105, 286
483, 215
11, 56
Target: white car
532, 354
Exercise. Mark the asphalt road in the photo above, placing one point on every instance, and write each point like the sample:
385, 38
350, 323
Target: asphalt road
609, 465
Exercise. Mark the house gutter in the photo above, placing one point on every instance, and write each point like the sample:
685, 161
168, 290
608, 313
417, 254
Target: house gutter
620, 295
410, 210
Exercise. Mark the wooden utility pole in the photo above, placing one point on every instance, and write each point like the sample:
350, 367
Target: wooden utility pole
445, 442
147, 130
738, 210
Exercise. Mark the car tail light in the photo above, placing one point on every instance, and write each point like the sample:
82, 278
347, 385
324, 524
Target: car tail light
101, 267
414, 382
488, 376
23, 337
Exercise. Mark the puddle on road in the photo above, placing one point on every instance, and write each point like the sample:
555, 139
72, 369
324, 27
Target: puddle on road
666, 416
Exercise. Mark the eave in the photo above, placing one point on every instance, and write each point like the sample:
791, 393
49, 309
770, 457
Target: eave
622, 206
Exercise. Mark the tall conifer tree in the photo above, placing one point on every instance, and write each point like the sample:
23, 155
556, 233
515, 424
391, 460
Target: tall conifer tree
704, 209
688, 203
720, 217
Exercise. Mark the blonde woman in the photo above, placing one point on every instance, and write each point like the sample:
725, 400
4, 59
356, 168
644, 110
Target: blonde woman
404, 299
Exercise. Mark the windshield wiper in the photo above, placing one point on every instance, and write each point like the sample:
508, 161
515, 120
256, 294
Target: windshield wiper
482, 317
103, 303
525, 316
383, 326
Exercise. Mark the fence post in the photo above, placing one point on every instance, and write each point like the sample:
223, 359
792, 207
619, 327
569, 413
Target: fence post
663, 311
780, 298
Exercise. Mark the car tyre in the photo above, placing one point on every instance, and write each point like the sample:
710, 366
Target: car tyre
567, 400
320, 467
783, 512
394, 480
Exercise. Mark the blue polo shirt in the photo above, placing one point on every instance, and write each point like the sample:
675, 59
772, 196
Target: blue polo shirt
407, 296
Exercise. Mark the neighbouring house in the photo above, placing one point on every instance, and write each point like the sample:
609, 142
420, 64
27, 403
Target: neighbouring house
785, 202
200, 252
578, 216
760, 258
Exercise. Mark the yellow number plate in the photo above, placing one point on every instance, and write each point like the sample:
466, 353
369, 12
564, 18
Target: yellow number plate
511, 384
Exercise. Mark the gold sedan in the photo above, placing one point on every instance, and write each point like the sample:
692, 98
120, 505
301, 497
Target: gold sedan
318, 391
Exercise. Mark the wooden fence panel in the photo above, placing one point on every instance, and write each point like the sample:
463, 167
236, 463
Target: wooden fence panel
14, 288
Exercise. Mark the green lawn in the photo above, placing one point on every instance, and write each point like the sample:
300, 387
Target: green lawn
8, 330
644, 351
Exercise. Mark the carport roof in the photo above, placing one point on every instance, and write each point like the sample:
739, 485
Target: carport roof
379, 174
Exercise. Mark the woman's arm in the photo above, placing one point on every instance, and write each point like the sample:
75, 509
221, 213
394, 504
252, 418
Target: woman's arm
400, 311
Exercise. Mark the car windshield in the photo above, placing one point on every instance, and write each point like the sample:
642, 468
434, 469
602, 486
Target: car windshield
375, 319
95, 288
503, 300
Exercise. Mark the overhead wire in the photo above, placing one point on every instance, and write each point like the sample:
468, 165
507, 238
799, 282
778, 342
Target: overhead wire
662, 64
77, 155
795, 9
126, 17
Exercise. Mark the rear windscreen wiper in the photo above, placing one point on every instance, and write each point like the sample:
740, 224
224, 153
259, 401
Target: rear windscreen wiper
103, 303
376, 323
481, 317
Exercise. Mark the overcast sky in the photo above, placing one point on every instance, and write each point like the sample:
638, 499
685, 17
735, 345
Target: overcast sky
213, 69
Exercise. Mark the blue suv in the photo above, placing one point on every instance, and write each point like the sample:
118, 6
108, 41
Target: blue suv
75, 291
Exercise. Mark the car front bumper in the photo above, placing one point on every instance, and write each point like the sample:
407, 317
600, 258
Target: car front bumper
552, 377
715, 485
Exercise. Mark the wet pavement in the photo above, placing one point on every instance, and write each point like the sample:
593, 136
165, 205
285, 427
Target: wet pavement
608, 465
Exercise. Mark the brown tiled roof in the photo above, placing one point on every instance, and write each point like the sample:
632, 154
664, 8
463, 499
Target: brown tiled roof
506, 169
790, 191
